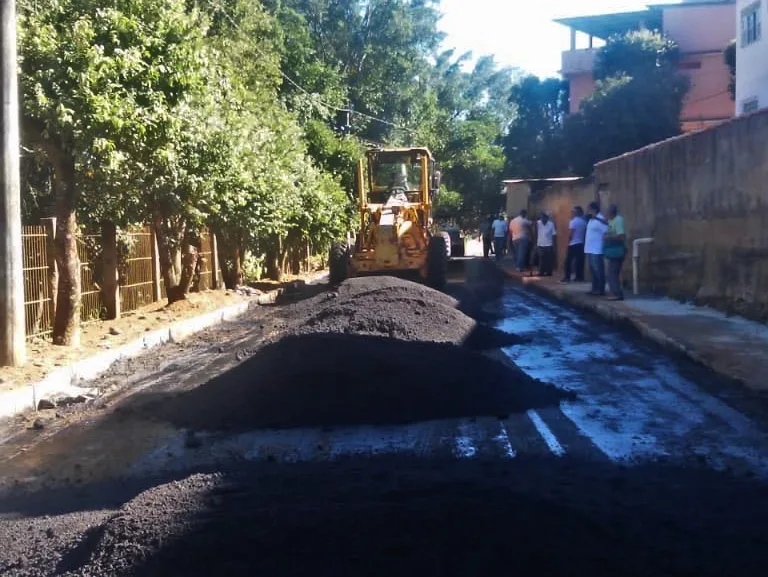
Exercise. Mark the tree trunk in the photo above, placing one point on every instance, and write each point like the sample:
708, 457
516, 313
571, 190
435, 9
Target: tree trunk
177, 269
66, 324
231, 246
272, 260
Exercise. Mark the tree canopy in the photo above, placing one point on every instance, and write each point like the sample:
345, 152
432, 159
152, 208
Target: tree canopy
637, 100
225, 114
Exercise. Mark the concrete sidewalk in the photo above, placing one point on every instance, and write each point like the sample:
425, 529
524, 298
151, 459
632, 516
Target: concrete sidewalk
731, 346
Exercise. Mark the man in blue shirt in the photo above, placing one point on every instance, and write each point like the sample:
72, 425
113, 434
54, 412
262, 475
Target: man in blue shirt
499, 236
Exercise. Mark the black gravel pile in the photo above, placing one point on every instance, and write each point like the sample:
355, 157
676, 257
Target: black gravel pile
378, 351
394, 308
400, 516
328, 380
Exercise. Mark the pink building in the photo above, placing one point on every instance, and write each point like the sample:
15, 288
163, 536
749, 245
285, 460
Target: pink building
702, 30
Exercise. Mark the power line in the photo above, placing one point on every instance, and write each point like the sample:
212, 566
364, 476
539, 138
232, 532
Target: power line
710, 97
296, 85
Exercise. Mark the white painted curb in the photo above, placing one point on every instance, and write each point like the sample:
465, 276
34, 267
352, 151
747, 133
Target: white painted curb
64, 381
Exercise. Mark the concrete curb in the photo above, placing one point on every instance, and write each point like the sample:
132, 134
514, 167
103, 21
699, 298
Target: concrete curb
622, 317
64, 381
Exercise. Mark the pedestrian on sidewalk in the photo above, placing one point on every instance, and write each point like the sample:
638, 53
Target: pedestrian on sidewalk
574, 259
593, 248
615, 251
519, 231
545, 243
499, 236
486, 230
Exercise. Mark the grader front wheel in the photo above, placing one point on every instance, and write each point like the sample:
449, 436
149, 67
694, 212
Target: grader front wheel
437, 263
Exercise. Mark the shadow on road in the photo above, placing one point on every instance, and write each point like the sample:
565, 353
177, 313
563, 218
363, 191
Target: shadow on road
400, 516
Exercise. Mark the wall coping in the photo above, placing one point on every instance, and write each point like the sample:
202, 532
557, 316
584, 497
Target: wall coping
730, 122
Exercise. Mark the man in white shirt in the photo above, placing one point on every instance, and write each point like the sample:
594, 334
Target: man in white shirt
574, 259
518, 230
593, 247
499, 236
545, 242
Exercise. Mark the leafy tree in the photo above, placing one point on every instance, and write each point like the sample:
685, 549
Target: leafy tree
448, 205
637, 100
100, 81
533, 145
473, 166
729, 56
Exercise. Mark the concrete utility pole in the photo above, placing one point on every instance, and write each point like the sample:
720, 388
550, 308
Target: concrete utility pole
12, 337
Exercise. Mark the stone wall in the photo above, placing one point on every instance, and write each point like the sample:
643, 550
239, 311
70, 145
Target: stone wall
558, 200
703, 197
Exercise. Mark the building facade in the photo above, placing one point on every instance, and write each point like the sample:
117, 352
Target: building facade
751, 56
701, 29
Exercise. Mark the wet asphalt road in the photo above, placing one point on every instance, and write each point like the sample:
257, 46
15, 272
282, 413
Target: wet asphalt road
652, 466
634, 404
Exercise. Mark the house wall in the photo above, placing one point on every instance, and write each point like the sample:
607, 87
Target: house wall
708, 97
752, 63
700, 28
558, 200
702, 32
580, 86
517, 197
703, 198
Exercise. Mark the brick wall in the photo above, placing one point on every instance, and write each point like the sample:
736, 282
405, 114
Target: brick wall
558, 200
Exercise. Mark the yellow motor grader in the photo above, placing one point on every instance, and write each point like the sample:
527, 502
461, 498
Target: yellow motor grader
395, 189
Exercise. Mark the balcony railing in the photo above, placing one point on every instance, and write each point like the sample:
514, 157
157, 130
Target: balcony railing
578, 61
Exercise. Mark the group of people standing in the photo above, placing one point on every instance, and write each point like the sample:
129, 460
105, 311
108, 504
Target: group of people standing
591, 237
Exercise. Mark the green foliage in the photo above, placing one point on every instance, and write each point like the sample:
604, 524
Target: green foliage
729, 56
637, 54
449, 205
637, 101
186, 114
534, 142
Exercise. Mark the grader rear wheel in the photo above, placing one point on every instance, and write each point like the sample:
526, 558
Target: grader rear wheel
338, 263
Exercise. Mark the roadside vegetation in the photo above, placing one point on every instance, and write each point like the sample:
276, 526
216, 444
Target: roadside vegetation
247, 118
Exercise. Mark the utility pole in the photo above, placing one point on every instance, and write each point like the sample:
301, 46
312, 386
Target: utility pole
12, 337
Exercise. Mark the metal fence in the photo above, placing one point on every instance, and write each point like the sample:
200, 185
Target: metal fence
136, 287
91, 306
38, 302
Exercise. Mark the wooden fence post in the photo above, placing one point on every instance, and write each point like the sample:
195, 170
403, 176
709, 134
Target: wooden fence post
215, 278
156, 276
110, 291
53, 271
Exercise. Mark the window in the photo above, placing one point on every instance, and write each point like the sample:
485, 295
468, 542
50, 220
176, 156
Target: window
749, 105
751, 24
689, 66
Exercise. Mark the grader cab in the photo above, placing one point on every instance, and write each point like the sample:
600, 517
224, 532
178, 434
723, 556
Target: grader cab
395, 189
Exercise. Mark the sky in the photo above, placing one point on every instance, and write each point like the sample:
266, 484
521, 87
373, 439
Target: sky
521, 32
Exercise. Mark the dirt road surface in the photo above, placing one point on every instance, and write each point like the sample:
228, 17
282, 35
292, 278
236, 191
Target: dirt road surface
377, 430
